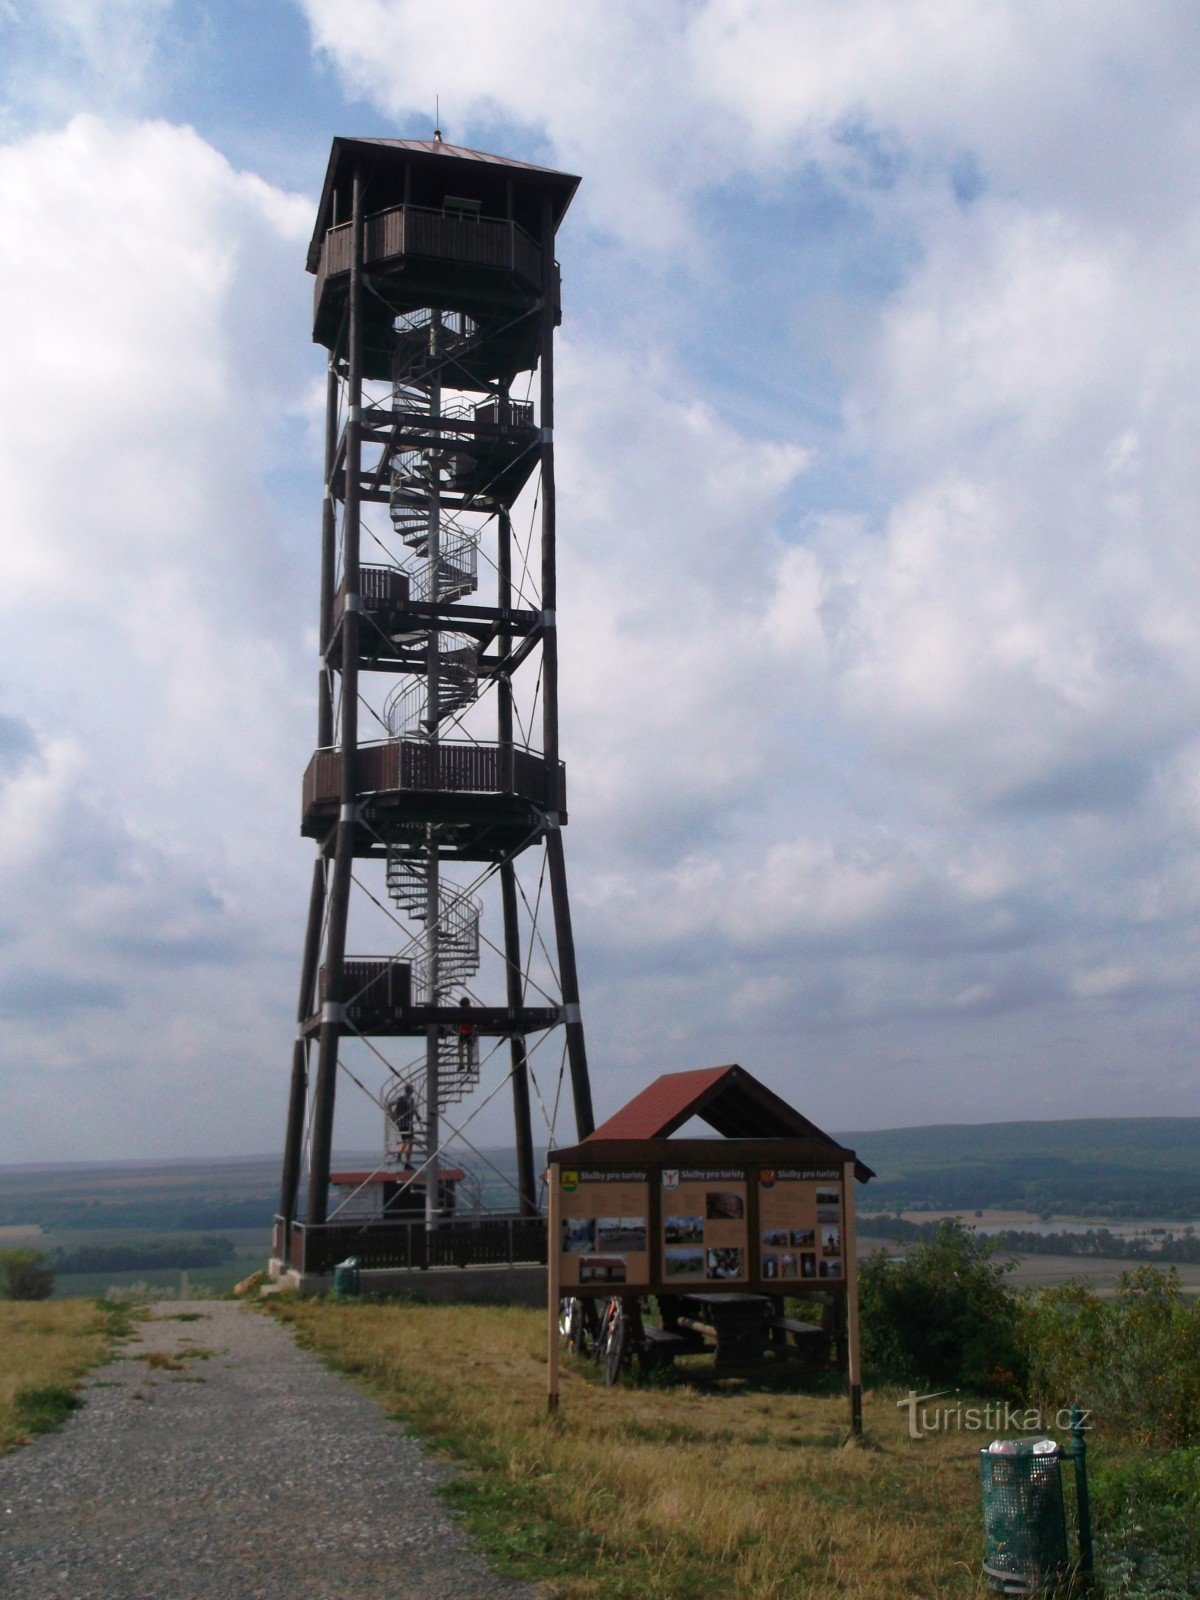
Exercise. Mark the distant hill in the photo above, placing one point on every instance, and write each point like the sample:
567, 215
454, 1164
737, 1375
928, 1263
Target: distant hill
177, 1196
1101, 1166
1098, 1167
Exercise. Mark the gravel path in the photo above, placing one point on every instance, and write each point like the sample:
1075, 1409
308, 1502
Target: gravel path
251, 1474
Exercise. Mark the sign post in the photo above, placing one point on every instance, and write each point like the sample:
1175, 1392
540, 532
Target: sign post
850, 1256
553, 1276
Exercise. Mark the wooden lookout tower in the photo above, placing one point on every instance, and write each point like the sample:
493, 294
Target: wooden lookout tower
435, 796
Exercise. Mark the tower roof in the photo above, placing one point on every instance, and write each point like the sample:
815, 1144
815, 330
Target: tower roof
434, 170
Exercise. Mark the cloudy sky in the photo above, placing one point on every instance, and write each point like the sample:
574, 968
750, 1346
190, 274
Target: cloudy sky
879, 401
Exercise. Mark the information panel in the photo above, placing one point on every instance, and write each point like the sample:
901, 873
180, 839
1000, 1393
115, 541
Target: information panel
604, 1228
705, 1232
800, 1224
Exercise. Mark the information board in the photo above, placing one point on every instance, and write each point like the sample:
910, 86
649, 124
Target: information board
604, 1228
705, 1230
800, 1225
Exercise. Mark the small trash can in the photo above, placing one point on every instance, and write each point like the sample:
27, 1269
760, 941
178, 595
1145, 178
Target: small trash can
345, 1278
1024, 1520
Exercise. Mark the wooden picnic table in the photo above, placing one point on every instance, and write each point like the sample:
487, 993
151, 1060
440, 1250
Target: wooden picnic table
736, 1323
743, 1328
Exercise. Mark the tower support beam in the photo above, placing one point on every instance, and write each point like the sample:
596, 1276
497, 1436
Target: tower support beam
343, 857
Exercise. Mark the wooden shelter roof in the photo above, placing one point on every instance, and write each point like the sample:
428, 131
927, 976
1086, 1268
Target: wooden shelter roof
731, 1100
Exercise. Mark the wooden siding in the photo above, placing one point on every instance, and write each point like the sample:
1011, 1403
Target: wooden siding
439, 235
409, 765
376, 991
380, 588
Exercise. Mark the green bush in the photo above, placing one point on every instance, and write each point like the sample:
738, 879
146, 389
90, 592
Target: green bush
944, 1316
1144, 1514
27, 1275
1133, 1361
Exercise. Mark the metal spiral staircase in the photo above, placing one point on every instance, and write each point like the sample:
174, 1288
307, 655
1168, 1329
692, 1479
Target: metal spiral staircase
442, 565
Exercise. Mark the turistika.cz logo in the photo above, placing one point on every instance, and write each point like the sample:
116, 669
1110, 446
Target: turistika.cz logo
996, 1417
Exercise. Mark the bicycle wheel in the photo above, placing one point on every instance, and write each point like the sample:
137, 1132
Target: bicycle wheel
617, 1345
570, 1327
600, 1348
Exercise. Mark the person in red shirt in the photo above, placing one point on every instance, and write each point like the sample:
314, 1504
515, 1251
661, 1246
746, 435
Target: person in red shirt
466, 1032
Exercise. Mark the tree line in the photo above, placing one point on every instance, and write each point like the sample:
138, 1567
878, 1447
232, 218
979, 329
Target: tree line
1182, 1245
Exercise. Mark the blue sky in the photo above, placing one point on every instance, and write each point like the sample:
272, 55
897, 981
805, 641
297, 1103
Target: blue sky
878, 402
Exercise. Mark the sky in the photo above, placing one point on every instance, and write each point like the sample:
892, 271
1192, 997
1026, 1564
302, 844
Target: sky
877, 404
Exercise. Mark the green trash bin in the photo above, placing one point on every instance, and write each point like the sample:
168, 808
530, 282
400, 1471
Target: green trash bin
1024, 1520
345, 1278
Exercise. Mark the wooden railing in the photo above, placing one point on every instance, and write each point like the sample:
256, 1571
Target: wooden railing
457, 1242
407, 764
380, 589
377, 991
442, 235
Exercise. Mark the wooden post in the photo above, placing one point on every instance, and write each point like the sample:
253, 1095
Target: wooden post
325, 1090
553, 1230
850, 1259
581, 1088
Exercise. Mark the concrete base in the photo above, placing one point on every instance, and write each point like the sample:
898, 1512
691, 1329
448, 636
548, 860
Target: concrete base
510, 1286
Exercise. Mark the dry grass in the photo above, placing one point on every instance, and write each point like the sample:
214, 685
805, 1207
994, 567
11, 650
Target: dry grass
663, 1492
46, 1346
163, 1361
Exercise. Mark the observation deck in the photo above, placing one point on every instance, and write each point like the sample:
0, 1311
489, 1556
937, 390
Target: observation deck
449, 259
487, 799
444, 227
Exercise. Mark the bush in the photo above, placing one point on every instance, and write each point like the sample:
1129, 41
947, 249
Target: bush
944, 1316
1133, 1361
27, 1275
1144, 1514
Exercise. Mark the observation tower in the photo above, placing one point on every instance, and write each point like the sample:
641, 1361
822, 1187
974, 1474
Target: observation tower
435, 796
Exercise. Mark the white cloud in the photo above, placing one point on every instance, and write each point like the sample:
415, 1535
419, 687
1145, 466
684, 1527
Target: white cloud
153, 609
881, 669
63, 55
921, 758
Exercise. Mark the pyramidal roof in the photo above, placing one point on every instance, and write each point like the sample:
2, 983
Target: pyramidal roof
439, 147
422, 170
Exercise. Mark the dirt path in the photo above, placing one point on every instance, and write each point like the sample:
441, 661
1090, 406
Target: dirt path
249, 1473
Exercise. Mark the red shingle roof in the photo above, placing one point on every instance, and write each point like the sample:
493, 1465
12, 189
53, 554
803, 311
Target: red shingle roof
731, 1100
662, 1106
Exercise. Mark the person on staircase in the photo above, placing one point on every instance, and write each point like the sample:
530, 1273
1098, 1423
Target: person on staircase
466, 1035
403, 1112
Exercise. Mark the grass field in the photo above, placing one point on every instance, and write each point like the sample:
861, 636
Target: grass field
665, 1491
47, 1346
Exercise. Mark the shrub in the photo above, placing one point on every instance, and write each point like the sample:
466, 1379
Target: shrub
1133, 1361
1144, 1514
27, 1274
944, 1316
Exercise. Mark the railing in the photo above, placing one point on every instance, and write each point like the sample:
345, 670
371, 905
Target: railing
505, 413
457, 1242
443, 235
375, 990
404, 764
380, 589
